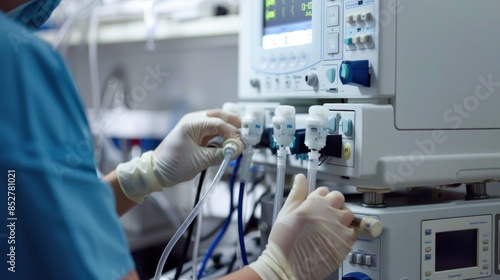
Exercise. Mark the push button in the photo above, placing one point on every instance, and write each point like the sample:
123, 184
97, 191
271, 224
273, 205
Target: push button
332, 16
349, 19
347, 127
332, 43
365, 39
367, 16
330, 75
359, 259
368, 260
347, 151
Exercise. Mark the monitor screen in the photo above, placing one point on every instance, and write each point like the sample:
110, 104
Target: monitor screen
287, 23
456, 249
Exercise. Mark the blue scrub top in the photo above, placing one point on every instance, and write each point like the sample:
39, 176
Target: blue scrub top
62, 222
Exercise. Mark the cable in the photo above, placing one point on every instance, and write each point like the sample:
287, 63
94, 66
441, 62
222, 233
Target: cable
191, 228
227, 221
230, 150
233, 259
240, 224
252, 127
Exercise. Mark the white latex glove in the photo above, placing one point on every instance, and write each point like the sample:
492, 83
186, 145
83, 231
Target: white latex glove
180, 156
310, 238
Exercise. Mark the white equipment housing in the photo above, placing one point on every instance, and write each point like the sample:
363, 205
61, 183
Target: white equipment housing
412, 86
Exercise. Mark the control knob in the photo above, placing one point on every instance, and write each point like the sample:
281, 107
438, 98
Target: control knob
355, 72
255, 83
311, 78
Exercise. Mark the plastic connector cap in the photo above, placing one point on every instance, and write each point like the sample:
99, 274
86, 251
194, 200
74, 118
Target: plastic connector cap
372, 226
233, 147
368, 225
284, 125
252, 125
316, 127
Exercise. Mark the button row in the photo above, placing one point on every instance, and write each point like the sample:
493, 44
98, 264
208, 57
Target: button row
284, 60
345, 123
485, 245
363, 39
358, 258
353, 18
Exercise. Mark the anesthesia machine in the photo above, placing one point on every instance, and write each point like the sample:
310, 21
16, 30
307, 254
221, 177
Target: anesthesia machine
393, 101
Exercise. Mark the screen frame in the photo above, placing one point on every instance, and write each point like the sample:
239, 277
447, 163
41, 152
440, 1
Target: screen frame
485, 236
286, 59
306, 20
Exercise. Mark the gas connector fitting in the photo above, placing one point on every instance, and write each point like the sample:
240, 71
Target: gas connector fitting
232, 146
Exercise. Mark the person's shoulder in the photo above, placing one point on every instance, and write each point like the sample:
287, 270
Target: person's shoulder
17, 40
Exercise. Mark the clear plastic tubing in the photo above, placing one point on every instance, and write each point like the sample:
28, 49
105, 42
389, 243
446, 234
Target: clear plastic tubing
191, 217
315, 140
280, 181
312, 170
196, 246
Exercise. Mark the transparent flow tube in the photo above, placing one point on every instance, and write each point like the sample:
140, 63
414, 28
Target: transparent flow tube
280, 182
246, 162
93, 61
196, 245
191, 217
312, 170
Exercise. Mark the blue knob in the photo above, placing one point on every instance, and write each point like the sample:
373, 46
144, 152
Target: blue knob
355, 72
356, 276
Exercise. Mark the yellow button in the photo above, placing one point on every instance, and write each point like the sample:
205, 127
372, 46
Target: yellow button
347, 151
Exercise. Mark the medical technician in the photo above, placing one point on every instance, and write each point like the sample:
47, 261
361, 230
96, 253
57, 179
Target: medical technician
60, 221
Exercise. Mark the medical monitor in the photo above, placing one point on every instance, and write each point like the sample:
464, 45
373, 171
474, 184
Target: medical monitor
286, 23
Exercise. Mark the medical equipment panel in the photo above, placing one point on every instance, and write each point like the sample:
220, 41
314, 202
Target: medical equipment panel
309, 49
414, 84
428, 240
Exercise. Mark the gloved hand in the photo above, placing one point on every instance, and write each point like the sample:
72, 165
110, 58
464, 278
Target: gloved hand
310, 238
180, 156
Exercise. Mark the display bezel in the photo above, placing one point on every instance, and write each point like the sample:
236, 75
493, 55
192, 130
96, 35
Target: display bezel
287, 32
290, 58
430, 228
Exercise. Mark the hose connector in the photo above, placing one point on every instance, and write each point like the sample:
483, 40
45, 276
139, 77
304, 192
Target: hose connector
233, 147
284, 125
368, 225
252, 125
316, 127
